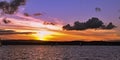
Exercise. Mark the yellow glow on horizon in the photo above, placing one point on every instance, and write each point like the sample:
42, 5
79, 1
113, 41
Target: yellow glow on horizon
44, 35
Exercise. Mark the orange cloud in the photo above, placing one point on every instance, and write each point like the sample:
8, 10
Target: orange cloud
87, 35
53, 32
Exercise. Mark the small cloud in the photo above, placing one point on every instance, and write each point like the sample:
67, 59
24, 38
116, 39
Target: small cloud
26, 14
9, 32
97, 9
37, 14
48, 23
6, 21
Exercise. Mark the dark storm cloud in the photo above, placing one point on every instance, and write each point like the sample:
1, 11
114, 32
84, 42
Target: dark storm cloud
109, 26
9, 32
92, 23
12, 6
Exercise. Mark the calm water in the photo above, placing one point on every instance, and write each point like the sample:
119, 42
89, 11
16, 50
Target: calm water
41, 52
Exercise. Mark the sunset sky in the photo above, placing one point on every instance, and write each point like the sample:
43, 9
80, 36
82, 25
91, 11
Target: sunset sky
54, 14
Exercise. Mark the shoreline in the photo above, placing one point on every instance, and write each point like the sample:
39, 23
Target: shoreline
38, 42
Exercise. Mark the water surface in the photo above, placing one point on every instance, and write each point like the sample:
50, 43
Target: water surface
65, 52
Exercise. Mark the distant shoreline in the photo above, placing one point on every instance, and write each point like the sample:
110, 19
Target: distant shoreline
37, 42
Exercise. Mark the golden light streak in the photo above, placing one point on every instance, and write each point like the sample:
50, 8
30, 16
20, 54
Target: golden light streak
44, 35
32, 23
53, 32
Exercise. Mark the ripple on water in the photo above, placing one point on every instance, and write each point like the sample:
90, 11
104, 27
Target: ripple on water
39, 52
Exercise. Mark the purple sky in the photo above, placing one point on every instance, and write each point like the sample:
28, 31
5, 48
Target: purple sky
72, 10
66, 12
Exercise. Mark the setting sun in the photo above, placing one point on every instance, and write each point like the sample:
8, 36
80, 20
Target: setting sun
44, 35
